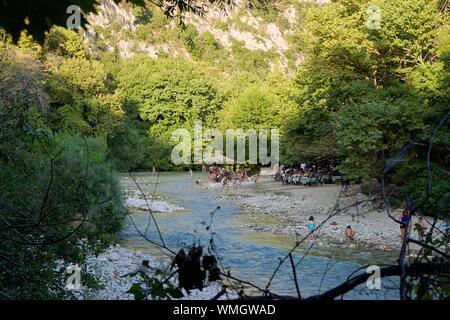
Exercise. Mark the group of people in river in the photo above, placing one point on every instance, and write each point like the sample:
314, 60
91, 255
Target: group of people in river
349, 233
225, 177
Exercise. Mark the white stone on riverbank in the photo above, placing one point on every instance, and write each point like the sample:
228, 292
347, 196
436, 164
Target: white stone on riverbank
374, 228
218, 185
154, 205
113, 267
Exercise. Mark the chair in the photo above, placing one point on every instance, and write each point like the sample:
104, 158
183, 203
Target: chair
304, 181
336, 178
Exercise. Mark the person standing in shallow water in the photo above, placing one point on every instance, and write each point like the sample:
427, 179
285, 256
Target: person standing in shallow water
312, 228
404, 219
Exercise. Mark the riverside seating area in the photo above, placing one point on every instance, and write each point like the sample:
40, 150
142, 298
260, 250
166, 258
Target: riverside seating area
308, 175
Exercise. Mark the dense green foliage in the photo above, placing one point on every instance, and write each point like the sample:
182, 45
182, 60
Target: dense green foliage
169, 93
366, 92
59, 197
257, 107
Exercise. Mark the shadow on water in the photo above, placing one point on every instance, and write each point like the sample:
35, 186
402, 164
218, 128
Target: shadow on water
248, 254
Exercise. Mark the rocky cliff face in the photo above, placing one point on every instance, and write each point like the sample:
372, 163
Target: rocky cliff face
114, 27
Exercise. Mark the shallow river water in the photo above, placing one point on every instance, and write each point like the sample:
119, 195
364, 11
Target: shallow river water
248, 254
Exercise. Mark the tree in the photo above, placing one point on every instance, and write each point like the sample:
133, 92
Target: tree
256, 108
359, 83
81, 102
169, 93
64, 42
373, 130
77, 78
131, 149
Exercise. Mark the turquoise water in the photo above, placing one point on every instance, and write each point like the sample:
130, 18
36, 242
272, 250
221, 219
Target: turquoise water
248, 254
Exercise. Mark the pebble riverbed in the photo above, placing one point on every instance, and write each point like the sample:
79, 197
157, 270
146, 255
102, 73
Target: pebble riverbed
374, 228
113, 267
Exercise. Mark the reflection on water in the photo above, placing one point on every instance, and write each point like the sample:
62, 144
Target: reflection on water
248, 254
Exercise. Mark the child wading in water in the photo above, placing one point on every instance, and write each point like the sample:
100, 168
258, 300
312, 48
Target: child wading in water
312, 228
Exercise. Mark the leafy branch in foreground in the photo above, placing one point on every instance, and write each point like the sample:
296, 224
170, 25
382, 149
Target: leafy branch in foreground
58, 199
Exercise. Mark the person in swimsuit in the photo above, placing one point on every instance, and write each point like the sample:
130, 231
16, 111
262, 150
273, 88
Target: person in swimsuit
404, 222
421, 229
349, 234
311, 227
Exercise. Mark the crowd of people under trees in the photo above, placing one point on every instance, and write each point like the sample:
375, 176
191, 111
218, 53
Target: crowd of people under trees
216, 174
309, 174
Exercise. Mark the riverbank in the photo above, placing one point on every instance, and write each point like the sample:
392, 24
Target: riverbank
292, 206
114, 270
142, 201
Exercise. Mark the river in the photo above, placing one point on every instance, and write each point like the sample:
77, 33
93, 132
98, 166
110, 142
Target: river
248, 254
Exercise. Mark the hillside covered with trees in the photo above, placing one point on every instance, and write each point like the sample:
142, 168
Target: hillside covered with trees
79, 106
